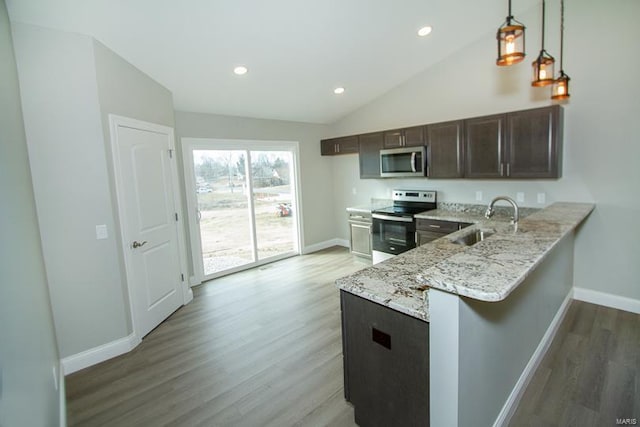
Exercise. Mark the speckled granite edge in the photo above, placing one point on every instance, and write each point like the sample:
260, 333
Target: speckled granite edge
490, 270
487, 271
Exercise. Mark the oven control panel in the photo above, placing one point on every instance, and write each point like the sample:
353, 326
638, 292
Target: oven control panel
413, 196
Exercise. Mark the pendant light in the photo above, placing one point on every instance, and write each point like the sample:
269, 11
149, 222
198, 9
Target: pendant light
560, 88
510, 41
543, 65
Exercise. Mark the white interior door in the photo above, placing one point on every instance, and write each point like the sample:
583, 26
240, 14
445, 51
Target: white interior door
143, 157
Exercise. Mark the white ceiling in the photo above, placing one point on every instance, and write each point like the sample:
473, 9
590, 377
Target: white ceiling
297, 51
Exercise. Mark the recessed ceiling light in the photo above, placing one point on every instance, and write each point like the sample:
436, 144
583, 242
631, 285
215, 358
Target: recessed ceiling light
240, 70
338, 90
424, 31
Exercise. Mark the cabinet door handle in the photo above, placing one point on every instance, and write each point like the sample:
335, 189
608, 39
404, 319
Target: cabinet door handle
501, 169
434, 226
508, 169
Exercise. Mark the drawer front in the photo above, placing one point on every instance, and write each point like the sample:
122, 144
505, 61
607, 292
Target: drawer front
437, 226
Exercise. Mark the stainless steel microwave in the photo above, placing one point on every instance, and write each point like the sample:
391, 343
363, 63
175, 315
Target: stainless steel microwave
402, 162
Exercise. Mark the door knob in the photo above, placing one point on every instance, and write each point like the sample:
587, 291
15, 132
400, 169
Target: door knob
137, 245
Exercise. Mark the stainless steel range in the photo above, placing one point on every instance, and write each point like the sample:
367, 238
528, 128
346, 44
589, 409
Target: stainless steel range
394, 227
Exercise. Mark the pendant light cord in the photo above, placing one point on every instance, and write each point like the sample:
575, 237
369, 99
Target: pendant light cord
543, 15
561, 34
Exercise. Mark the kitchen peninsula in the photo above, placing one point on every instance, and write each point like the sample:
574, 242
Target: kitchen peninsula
489, 309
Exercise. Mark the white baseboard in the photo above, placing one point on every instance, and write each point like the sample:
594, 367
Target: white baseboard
607, 300
95, 355
521, 385
324, 245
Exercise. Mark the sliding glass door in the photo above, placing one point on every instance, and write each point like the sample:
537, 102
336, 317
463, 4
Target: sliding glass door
224, 213
243, 202
271, 174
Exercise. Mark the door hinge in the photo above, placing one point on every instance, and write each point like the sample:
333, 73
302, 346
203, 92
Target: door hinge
182, 277
170, 153
176, 215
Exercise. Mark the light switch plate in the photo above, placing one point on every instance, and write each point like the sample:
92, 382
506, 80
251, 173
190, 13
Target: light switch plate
542, 198
101, 232
520, 196
478, 196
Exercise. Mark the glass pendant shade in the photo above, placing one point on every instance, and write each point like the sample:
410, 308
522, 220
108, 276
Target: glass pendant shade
510, 42
560, 88
543, 69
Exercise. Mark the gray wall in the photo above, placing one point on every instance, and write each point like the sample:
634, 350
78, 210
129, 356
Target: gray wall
315, 171
70, 85
601, 130
71, 183
28, 351
498, 339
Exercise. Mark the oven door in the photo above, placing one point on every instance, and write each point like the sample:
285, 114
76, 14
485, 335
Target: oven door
393, 235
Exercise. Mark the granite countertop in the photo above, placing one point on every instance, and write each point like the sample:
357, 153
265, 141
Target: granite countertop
373, 204
488, 271
359, 209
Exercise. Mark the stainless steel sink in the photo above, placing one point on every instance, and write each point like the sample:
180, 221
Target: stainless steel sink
472, 238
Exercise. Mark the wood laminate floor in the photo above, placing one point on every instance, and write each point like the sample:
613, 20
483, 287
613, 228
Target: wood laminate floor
257, 348
590, 375
263, 348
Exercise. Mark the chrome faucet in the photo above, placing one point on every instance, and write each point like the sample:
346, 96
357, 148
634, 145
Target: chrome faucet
489, 213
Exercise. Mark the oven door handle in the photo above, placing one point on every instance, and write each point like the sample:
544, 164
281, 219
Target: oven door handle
413, 161
392, 218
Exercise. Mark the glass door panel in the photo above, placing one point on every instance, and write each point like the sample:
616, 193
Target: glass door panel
273, 201
224, 209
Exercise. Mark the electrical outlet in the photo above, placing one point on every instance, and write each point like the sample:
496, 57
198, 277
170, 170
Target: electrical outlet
354, 191
542, 199
101, 232
520, 196
478, 196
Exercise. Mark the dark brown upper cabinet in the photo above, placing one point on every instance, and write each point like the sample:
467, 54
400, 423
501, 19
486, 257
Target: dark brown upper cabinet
522, 144
445, 145
408, 137
484, 146
534, 143
342, 145
369, 154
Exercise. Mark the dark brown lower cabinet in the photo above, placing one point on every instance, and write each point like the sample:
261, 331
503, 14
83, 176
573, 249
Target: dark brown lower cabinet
386, 364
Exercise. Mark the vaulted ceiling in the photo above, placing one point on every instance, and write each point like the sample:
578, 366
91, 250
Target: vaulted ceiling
296, 51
